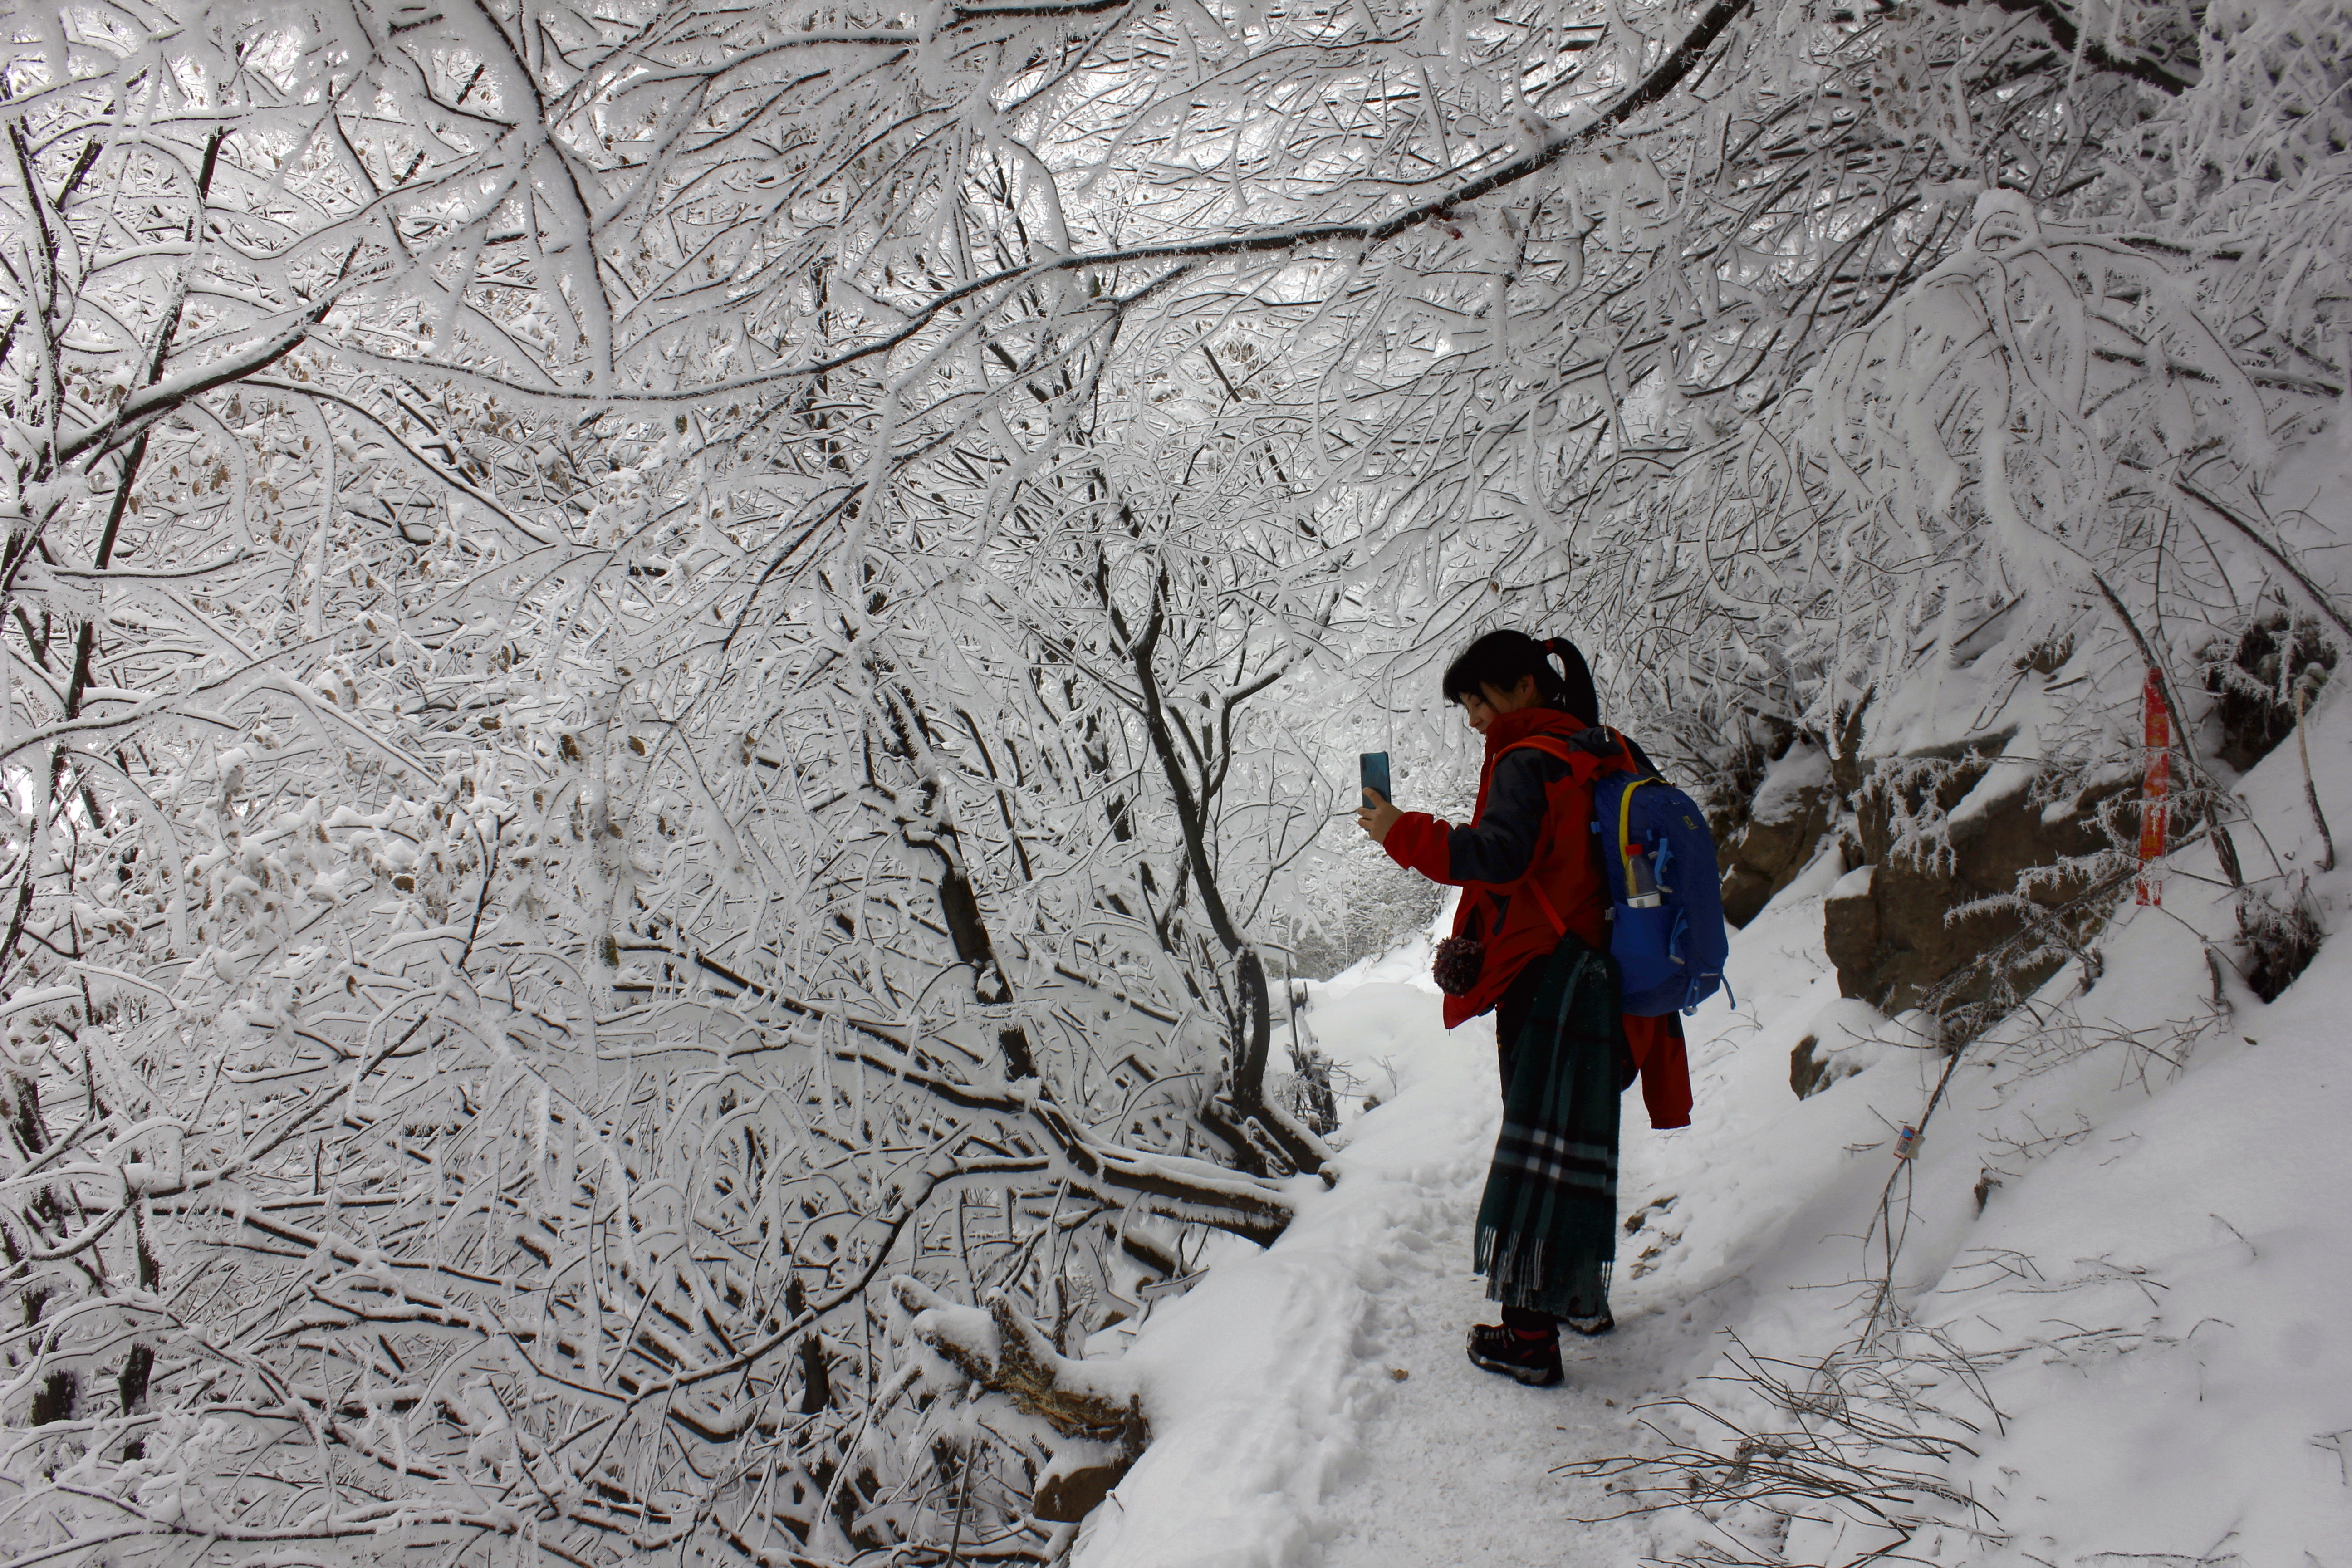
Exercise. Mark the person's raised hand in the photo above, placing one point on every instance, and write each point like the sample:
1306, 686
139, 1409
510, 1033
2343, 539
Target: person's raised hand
1377, 816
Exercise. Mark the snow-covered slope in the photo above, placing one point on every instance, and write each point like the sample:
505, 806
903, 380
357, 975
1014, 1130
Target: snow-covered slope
2126, 1226
2116, 1319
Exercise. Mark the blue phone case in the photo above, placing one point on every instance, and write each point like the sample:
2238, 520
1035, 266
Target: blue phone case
1373, 767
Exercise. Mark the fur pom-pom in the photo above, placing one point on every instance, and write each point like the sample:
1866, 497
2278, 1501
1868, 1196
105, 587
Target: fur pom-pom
1457, 964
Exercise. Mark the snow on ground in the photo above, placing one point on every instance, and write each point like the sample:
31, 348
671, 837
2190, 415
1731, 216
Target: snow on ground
1301, 1392
2130, 1212
2130, 1209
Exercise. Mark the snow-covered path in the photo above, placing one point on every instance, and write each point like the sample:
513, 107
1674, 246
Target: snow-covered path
1452, 1463
1457, 1466
1289, 1437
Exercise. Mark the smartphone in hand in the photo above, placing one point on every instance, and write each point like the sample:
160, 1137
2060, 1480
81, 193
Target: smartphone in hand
1373, 767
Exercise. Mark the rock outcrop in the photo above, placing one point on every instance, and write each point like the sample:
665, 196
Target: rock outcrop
1937, 834
1924, 835
1784, 824
2262, 679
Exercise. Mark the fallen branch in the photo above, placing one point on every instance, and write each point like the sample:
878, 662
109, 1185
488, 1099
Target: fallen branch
1005, 1353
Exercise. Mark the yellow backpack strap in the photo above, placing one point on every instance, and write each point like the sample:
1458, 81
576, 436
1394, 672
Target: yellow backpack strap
1625, 828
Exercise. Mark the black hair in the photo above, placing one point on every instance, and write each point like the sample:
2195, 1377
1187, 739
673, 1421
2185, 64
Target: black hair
1499, 658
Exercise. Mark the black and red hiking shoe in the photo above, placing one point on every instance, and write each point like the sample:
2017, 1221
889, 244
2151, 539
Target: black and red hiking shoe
1532, 1359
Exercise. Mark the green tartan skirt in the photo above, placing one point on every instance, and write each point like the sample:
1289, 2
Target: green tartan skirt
1547, 1223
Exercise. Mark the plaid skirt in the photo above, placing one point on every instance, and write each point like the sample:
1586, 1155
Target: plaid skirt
1547, 1223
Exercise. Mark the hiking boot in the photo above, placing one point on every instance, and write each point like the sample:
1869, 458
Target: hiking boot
1533, 1360
1591, 1328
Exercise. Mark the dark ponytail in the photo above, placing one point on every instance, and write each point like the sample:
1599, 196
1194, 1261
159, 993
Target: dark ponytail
1500, 659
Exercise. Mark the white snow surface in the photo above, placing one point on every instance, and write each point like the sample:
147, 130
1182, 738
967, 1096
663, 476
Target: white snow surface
2154, 1291
1804, 767
1283, 1430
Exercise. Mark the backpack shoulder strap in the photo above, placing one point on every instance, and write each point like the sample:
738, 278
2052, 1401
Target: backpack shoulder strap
1559, 746
1551, 744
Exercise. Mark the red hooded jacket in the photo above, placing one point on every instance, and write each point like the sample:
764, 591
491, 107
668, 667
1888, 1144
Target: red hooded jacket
1529, 867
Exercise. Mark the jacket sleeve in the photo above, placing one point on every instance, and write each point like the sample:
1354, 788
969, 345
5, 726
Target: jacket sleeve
1417, 841
1502, 844
1663, 1059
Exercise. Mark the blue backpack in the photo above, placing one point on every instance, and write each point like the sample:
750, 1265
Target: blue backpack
1670, 948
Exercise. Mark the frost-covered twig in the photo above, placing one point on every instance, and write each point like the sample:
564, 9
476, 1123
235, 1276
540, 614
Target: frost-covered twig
1855, 1436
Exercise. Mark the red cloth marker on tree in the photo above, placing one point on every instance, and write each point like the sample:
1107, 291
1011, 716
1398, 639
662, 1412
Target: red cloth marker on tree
2155, 786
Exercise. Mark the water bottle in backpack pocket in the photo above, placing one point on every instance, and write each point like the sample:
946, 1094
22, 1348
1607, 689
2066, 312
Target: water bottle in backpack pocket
1667, 929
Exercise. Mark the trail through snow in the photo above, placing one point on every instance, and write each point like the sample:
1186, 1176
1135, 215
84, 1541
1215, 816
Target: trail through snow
1315, 1405
1456, 1465
1459, 1465
1452, 1465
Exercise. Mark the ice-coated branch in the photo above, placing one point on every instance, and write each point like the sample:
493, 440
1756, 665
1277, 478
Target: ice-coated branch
2321, 600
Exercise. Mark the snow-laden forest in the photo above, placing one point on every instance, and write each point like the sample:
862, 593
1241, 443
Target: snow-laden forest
676, 728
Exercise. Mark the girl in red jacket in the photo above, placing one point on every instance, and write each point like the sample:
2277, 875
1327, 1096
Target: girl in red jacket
1529, 944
